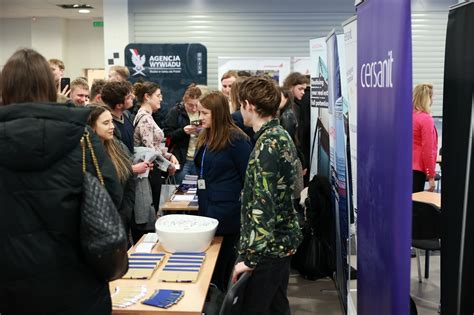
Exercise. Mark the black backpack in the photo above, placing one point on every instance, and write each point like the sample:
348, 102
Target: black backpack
315, 257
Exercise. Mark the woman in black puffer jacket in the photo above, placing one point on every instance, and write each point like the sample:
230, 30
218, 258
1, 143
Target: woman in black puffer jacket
42, 270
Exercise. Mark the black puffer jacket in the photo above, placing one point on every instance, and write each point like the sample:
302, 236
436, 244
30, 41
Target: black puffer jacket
41, 268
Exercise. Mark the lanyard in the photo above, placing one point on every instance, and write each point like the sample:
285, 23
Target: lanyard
202, 162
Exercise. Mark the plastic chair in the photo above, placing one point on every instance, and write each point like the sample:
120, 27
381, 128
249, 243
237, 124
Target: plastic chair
426, 232
234, 297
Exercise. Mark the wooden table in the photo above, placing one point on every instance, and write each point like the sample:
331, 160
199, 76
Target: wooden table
429, 197
178, 206
194, 293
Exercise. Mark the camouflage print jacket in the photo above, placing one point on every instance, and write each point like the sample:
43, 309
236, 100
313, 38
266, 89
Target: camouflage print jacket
269, 227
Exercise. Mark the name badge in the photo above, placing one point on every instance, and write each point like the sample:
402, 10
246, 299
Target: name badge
201, 184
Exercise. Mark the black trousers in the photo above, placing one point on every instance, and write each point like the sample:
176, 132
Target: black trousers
225, 262
419, 179
266, 291
155, 182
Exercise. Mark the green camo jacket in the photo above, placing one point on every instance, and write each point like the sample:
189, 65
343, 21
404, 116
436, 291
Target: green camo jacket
269, 226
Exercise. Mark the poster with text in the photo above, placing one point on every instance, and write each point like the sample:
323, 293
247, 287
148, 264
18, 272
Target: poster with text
337, 149
350, 43
384, 164
173, 66
319, 108
277, 68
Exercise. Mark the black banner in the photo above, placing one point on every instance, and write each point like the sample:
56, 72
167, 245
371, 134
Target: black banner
457, 201
172, 66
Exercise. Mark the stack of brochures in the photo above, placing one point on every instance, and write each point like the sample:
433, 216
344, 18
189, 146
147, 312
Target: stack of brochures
182, 267
125, 296
142, 265
187, 190
164, 298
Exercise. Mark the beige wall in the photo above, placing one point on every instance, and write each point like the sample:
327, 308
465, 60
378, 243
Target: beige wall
84, 47
76, 42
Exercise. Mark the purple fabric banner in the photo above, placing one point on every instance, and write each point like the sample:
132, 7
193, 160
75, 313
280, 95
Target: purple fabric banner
384, 137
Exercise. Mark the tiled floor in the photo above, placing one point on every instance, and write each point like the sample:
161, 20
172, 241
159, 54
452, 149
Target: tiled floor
318, 297
312, 297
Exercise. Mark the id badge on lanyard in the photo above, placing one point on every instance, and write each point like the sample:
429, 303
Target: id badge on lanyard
201, 181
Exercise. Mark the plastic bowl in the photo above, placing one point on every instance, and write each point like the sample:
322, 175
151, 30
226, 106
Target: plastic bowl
185, 233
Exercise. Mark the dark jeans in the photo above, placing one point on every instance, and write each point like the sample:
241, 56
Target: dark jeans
266, 290
419, 179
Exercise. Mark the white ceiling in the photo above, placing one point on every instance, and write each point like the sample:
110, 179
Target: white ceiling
48, 8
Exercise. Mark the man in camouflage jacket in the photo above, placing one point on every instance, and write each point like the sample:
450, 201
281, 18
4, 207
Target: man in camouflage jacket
269, 233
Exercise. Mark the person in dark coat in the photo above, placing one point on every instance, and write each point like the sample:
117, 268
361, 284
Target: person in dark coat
286, 114
42, 268
182, 127
221, 158
298, 85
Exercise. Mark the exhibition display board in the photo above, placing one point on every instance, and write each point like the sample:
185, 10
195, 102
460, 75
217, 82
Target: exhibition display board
277, 68
337, 149
457, 255
384, 164
172, 66
319, 108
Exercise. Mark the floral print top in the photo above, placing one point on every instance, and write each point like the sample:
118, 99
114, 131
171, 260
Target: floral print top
147, 133
269, 226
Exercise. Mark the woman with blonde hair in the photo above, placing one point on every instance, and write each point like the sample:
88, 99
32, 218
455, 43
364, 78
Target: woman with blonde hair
425, 138
221, 159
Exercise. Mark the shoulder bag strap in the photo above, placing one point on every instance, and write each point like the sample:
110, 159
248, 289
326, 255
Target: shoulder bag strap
85, 138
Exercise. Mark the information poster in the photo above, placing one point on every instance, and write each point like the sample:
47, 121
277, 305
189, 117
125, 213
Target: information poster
319, 108
384, 164
275, 67
337, 145
173, 66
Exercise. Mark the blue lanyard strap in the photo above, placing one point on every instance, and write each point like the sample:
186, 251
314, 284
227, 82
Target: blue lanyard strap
202, 162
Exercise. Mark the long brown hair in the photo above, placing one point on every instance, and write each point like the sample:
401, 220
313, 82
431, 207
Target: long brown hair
27, 77
142, 88
223, 129
120, 160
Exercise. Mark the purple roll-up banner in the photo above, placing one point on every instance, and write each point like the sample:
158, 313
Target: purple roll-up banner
384, 138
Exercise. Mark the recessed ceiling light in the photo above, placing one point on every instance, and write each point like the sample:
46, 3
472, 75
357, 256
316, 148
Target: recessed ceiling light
84, 11
75, 6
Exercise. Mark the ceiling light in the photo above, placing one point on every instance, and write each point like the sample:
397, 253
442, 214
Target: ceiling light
75, 6
84, 11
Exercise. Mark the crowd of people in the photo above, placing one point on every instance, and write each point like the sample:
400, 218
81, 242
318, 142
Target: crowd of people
248, 145
246, 162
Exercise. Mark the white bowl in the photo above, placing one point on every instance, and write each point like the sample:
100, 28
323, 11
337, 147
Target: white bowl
185, 233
